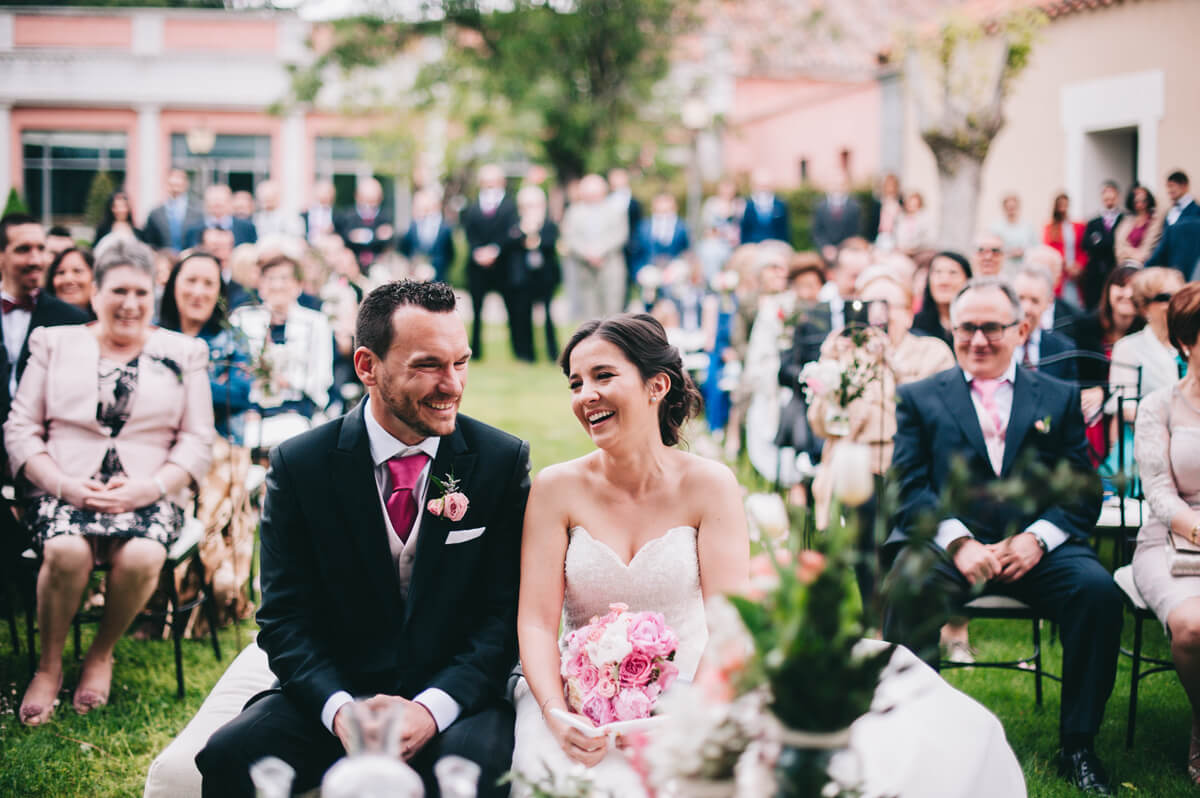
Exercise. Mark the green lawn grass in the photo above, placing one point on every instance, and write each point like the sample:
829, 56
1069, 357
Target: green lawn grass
108, 752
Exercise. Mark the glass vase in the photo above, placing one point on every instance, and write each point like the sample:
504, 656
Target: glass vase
802, 769
372, 767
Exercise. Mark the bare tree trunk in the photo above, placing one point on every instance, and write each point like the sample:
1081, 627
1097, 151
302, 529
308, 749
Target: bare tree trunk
959, 178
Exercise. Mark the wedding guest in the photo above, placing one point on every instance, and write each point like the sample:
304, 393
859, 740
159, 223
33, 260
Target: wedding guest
1099, 237
960, 416
487, 223
271, 219
948, 273
835, 219
594, 232
429, 238
1146, 360
319, 219
70, 278
1042, 350
1061, 316
765, 215
536, 254
117, 218
883, 214
1066, 237
108, 478
661, 238
1179, 246
294, 345
219, 243
1168, 457
59, 240
1139, 229
367, 227
243, 205
848, 265
723, 211
169, 223
620, 195
989, 256
914, 228
1097, 333
192, 305
898, 357
1016, 234
218, 213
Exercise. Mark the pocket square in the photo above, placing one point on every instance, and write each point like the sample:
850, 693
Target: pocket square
463, 535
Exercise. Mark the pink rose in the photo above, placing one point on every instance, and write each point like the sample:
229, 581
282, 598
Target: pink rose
636, 669
598, 709
631, 704
650, 635
666, 674
606, 687
575, 665
435, 506
652, 690
588, 678
456, 506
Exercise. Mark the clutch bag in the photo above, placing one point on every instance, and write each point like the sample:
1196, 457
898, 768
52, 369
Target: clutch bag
1183, 556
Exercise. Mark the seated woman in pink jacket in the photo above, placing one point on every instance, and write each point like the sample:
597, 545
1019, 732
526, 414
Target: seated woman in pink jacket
112, 424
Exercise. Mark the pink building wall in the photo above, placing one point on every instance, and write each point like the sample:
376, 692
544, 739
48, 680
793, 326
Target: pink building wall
777, 122
72, 31
213, 34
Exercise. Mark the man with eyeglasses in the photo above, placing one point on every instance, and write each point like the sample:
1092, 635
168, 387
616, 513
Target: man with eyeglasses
1042, 350
989, 256
992, 414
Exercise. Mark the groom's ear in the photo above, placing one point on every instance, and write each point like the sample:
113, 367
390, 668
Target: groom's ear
364, 366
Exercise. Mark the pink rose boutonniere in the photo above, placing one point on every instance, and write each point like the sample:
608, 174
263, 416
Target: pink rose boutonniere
452, 503
1042, 425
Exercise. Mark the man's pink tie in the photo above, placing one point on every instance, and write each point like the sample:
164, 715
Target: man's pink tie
994, 437
401, 503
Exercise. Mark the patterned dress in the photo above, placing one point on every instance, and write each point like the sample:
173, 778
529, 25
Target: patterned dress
160, 521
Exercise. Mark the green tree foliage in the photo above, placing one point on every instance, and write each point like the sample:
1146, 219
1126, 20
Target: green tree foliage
577, 79
98, 193
14, 204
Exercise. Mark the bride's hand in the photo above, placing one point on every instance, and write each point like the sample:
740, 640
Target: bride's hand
587, 751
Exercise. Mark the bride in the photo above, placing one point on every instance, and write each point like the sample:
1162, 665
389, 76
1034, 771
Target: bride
636, 521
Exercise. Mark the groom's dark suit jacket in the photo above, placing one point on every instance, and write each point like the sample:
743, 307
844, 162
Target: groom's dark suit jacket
332, 614
936, 421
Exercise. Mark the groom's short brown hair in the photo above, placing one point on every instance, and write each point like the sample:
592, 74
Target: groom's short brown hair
373, 327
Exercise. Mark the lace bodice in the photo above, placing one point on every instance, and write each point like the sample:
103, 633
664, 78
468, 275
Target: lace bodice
1166, 443
664, 576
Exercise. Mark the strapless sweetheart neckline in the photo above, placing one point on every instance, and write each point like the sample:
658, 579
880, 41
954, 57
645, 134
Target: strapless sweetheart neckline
648, 544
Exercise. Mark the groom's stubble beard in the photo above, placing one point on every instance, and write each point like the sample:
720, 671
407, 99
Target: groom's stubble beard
407, 411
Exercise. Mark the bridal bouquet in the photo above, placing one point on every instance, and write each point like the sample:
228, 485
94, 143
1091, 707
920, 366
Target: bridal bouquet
616, 667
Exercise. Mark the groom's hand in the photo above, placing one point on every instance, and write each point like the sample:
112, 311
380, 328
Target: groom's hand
417, 726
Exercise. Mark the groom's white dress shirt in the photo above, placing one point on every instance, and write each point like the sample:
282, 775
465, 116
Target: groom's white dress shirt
444, 709
952, 529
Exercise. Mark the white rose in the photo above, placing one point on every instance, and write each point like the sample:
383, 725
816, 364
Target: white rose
613, 645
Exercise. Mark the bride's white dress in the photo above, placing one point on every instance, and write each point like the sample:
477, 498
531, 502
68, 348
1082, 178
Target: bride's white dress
663, 576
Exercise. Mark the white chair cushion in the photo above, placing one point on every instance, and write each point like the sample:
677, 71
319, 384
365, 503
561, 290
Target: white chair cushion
1123, 576
173, 773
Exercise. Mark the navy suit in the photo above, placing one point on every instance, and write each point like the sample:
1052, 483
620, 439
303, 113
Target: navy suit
647, 249
157, 232
243, 233
440, 252
333, 615
1098, 243
936, 425
1050, 347
774, 226
1179, 246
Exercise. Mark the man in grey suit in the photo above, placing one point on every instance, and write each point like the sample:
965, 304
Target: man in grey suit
167, 224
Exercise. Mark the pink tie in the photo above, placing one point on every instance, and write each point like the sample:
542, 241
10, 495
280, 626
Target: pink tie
401, 503
986, 391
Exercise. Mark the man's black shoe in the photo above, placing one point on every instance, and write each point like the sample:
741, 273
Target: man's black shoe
1082, 768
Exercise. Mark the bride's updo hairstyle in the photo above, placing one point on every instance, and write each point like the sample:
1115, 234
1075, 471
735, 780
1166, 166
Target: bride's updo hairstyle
644, 343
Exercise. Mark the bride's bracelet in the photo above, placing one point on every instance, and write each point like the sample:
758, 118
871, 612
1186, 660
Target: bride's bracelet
544, 703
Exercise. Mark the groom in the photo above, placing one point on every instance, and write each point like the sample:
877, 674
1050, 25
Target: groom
368, 593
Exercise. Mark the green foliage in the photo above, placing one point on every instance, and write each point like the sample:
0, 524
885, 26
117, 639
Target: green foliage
579, 84
14, 203
98, 193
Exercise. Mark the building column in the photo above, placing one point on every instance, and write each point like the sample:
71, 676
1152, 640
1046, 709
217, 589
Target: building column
150, 182
1147, 164
293, 181
7, 167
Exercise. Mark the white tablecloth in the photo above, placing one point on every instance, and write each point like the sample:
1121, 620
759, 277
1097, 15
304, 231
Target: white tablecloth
934, 742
